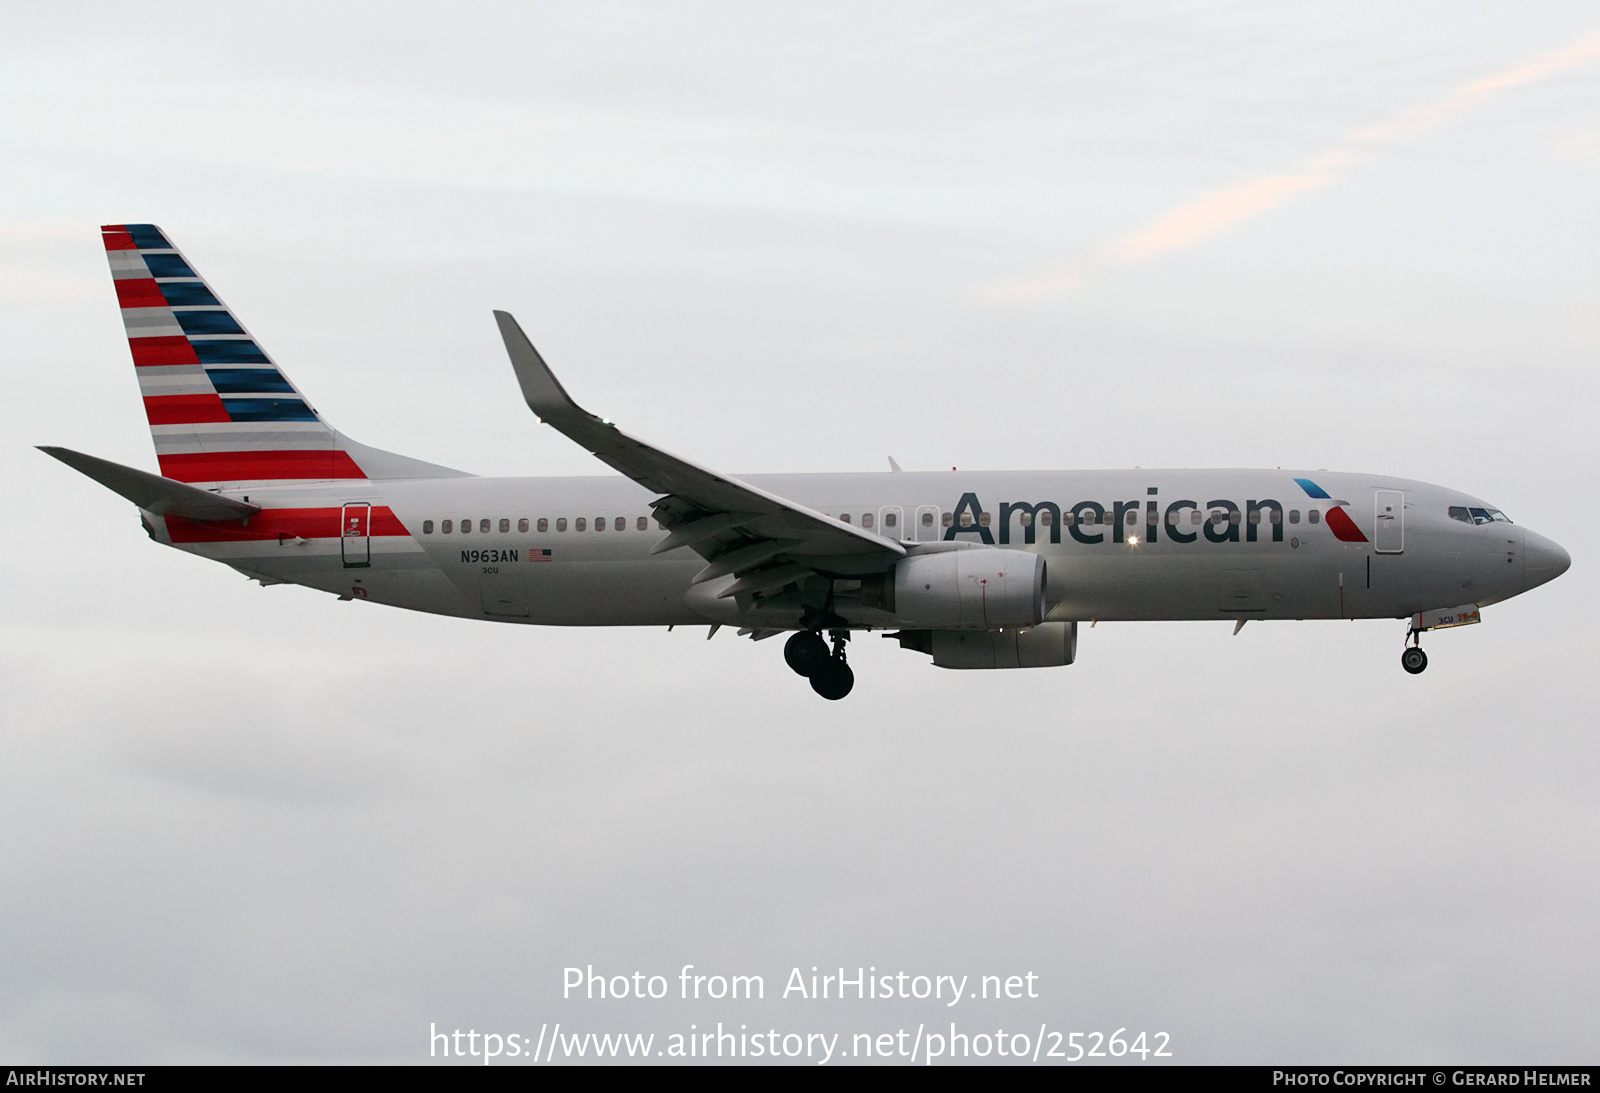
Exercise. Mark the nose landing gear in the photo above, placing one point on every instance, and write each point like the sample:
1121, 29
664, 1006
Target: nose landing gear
807, 654
1412, 658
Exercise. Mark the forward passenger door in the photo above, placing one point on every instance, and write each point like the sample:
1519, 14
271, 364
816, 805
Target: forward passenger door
1390, 513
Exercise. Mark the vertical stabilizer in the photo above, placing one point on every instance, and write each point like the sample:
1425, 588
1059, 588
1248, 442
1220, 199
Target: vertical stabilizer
221, 412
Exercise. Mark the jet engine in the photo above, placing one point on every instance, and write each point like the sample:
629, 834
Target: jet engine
975, 589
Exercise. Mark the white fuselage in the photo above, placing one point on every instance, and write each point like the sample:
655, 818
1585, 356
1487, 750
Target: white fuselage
1268, 562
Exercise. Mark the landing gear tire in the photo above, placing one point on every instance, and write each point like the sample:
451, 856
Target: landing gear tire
1414, 660
833, 679
805, 652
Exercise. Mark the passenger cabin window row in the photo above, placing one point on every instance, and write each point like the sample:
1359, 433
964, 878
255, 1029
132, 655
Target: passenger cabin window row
1091, 518
601, 523
891, 520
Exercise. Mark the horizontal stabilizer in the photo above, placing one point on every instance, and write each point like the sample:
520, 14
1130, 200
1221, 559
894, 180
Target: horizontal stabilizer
151, 492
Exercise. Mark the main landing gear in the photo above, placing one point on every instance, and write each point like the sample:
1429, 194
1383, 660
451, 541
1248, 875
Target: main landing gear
1412, 658
808, 655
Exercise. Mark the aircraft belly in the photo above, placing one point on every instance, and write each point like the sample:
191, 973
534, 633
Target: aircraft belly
621, 591
1151, 586
605, 593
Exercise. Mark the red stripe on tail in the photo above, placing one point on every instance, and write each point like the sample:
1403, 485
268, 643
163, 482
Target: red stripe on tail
256, 466
154, 352
184, 409
117, 239
139, 292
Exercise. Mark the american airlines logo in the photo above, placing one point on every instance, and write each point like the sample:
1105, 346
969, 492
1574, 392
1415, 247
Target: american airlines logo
1219, 520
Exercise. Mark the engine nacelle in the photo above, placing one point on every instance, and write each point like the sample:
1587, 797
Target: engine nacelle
969, 590
1048, 645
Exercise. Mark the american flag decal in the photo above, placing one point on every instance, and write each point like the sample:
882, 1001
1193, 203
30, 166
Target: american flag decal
539, 555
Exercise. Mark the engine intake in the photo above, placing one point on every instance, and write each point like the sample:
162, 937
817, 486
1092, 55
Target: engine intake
969, 590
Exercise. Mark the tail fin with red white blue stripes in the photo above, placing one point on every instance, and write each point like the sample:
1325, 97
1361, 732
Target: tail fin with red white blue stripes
221, 412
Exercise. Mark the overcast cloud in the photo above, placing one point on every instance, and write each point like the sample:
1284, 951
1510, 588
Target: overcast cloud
251, 825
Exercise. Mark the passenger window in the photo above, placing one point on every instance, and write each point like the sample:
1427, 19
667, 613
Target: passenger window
1255, 517
1274, 516
966, 519
890, 520
844, 517
1233, 517
427, 527
580, 524
1313, 516
483, 526
643, 524
927, 519
866, 519
1069, 518
1196, 516
1294, 516
1459, 512
466, 527
505, 525
599, 523
445, 527
1150, 517
948, 518
1027, 519
1132, 517
561, 523
983, 519
522, 524
1045, 519
543, 524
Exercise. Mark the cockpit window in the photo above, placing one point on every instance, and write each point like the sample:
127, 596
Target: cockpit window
1488, 516
1459, 512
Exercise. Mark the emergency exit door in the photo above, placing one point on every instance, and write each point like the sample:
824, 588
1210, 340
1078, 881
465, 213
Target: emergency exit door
355, 534
1390, 520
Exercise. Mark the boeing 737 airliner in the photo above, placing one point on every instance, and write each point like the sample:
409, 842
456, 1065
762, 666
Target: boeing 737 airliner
978, 570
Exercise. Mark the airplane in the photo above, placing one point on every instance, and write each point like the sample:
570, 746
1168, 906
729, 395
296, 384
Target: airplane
978, 570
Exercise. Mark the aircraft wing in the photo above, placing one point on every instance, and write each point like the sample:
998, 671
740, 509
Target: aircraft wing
765, 540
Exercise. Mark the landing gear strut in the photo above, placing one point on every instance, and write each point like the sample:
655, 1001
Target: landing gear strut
1412, 658
808, 655
833, 679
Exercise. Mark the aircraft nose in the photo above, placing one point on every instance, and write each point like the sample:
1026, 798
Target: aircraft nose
1545, 559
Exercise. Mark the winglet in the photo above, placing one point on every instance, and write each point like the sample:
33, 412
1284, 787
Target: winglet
153, 493
540, 389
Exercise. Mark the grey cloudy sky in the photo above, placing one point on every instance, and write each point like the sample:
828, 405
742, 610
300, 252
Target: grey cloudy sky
251, 824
